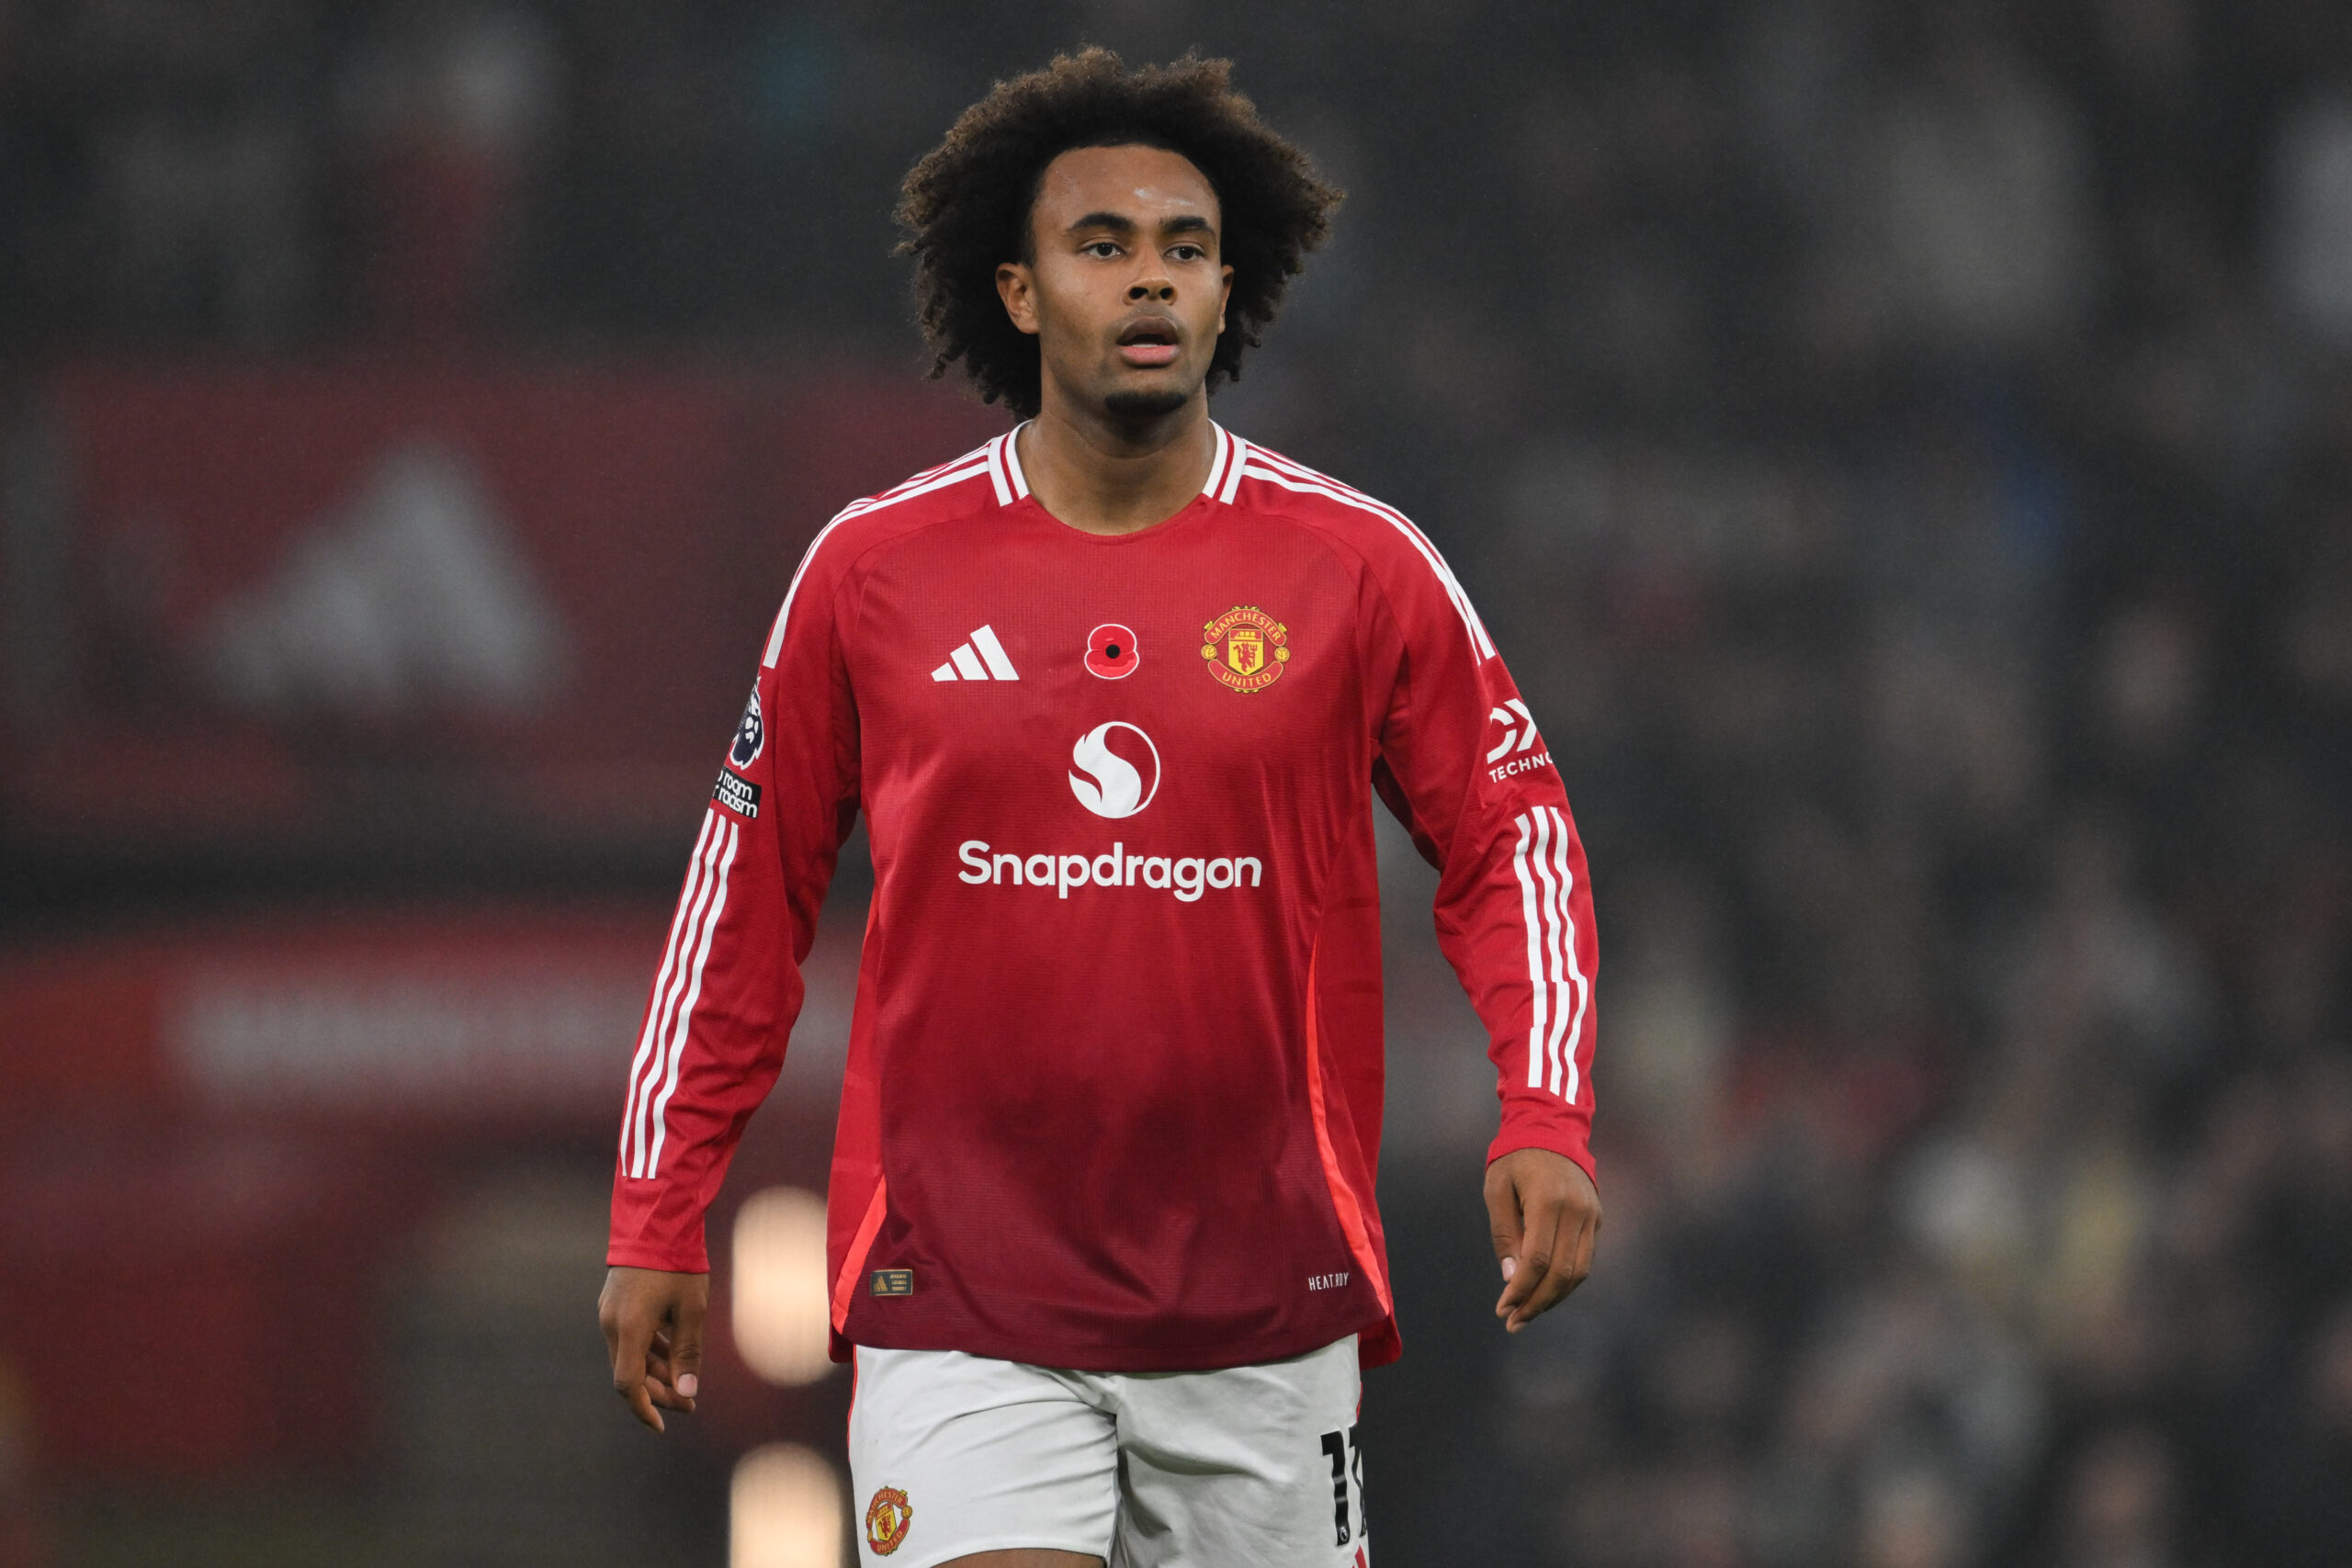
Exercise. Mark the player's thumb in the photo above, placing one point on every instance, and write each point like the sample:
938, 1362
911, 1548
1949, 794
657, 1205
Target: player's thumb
1504, 1221
685, 1345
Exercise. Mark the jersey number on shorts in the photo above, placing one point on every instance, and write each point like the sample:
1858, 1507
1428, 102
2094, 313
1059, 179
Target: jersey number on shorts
1345, 1450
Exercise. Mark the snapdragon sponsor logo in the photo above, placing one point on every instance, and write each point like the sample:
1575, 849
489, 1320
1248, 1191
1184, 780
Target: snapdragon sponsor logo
1107, 784
1186, 876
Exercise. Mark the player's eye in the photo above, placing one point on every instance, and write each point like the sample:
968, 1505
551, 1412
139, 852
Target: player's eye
1188, 253
1101, 250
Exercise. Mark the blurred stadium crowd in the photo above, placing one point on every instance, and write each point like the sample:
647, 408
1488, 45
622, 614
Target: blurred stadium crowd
1905, 451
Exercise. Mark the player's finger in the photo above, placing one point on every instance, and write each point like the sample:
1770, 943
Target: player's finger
1520, 1297
1568, 1270
660, 1381
1584, 1208
1587, 1246
685, 1349
1539, 1250
1579, 1239
631, 1342
1505, 1226
608, 1318
1502, 1219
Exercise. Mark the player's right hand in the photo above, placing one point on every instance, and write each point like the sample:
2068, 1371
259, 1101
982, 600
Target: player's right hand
652, 1322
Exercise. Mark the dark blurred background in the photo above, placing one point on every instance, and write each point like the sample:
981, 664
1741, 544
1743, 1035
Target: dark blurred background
1904, 449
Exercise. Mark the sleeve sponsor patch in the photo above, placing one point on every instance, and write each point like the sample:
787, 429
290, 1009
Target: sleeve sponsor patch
736, 793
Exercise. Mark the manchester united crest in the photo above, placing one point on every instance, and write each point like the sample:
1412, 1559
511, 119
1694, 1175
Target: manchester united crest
1246, 648
887, 1519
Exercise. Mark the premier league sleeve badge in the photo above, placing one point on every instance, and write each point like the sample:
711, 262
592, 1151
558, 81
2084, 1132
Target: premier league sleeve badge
751, 734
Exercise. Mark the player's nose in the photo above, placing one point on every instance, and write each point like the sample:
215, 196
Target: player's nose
1145, 288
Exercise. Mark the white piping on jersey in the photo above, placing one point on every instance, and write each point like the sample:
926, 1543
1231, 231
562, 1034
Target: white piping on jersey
1242, 453
1549, 881
1565, 1032
697, 904
684, 1024
1013, 483
646, 1070
1009, 444
1225, 473
1550, 867
1000, 459
936, 468
629, 1146
1539, 993
920, 484
1567, 1055
971, 463
1217, 464
996, 475
1553, 973
1265, 465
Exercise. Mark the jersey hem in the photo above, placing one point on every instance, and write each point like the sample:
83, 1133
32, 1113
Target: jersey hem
1373, 1334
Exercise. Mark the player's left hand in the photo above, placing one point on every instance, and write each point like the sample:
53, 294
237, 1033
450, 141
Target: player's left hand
1545, 1216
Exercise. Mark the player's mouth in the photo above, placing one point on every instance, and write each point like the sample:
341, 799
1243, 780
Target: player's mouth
1149, 342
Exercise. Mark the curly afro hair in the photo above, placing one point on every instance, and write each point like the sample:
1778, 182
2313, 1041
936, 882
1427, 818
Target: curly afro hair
965, 204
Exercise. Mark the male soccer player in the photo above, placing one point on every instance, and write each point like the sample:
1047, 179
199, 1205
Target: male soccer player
1115, 693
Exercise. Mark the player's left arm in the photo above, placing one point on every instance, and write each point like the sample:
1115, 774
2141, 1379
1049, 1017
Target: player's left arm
1466, 768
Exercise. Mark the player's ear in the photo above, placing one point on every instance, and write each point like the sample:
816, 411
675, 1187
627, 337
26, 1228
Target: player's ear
1016, 285
1224, 295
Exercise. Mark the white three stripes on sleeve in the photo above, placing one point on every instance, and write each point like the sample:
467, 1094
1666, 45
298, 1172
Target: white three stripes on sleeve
632, 1147
653, 1074
1561, 989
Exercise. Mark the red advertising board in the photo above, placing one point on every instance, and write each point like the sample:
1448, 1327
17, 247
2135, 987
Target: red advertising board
221, 1137
495, 1012
304, 603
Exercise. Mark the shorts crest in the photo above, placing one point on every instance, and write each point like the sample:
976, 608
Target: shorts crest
887, 1519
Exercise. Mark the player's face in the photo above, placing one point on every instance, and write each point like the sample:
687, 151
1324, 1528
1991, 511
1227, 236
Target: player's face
1126, 294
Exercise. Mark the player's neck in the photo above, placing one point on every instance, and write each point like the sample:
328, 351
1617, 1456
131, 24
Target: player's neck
1102, 475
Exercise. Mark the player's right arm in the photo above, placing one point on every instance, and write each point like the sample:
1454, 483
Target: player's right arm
728, 986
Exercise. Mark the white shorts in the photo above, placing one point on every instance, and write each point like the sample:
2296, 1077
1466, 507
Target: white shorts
1243, 1467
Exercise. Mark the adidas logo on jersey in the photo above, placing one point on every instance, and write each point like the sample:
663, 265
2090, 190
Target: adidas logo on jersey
979, 657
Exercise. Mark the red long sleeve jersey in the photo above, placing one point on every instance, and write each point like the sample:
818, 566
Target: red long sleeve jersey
1113, 1099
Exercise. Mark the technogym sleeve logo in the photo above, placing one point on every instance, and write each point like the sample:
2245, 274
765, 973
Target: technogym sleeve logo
1518, 743
1107, 784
